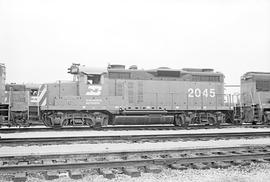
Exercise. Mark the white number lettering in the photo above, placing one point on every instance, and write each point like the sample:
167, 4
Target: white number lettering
212, 92
205, 93
197, 92
190, 92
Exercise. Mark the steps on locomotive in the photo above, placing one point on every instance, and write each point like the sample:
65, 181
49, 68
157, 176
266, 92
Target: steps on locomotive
4, 109
237, 114
33, 113
256, 112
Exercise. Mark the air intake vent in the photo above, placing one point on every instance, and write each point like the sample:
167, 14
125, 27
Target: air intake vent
163, 68
198, 69
133, 67
116, 66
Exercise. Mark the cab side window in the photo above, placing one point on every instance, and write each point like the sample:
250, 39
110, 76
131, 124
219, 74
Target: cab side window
33, 92
93, 79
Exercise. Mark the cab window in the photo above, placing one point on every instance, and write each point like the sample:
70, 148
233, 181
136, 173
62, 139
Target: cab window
93, 79
34, 92
262, 85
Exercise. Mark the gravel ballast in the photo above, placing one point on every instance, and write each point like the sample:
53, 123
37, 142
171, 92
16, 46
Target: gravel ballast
251, 173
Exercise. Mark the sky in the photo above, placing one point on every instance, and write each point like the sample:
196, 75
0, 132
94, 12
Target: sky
40, 39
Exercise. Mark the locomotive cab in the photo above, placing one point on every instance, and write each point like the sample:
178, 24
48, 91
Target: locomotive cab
76, 103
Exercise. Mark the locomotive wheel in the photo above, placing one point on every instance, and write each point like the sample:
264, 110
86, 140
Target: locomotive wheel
48, 122
89, 122
266, 119
185, 124
178, 121
196, 120
65, 122
105, 121
229, 120
212, 121
26, 124
237, 122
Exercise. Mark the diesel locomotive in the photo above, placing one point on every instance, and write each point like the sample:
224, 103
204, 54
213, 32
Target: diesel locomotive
119, 96
255, 97
20, 106
18, 102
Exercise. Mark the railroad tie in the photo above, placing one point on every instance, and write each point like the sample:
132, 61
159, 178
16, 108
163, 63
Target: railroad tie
51, 175
200, 166
221, 164
20, 177
107, 173
260, 160
245, 163
153, 169
132, 171
75, 174
178, 166
237, 162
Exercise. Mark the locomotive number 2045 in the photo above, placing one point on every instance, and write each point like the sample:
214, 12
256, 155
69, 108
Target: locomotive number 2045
201, 93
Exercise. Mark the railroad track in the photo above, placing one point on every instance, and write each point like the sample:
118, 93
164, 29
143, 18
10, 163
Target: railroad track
131, 138
131, 163
122, 128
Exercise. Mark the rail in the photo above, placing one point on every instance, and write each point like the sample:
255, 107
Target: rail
136, 138
199, 158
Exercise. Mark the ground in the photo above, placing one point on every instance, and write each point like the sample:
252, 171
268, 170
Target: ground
252, 173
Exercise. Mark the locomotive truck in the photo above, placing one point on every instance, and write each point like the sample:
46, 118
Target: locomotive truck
119, 96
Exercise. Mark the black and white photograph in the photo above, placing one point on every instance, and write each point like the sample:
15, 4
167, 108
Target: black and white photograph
134, 90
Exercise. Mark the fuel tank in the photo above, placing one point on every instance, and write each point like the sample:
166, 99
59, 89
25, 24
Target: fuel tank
143, 119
